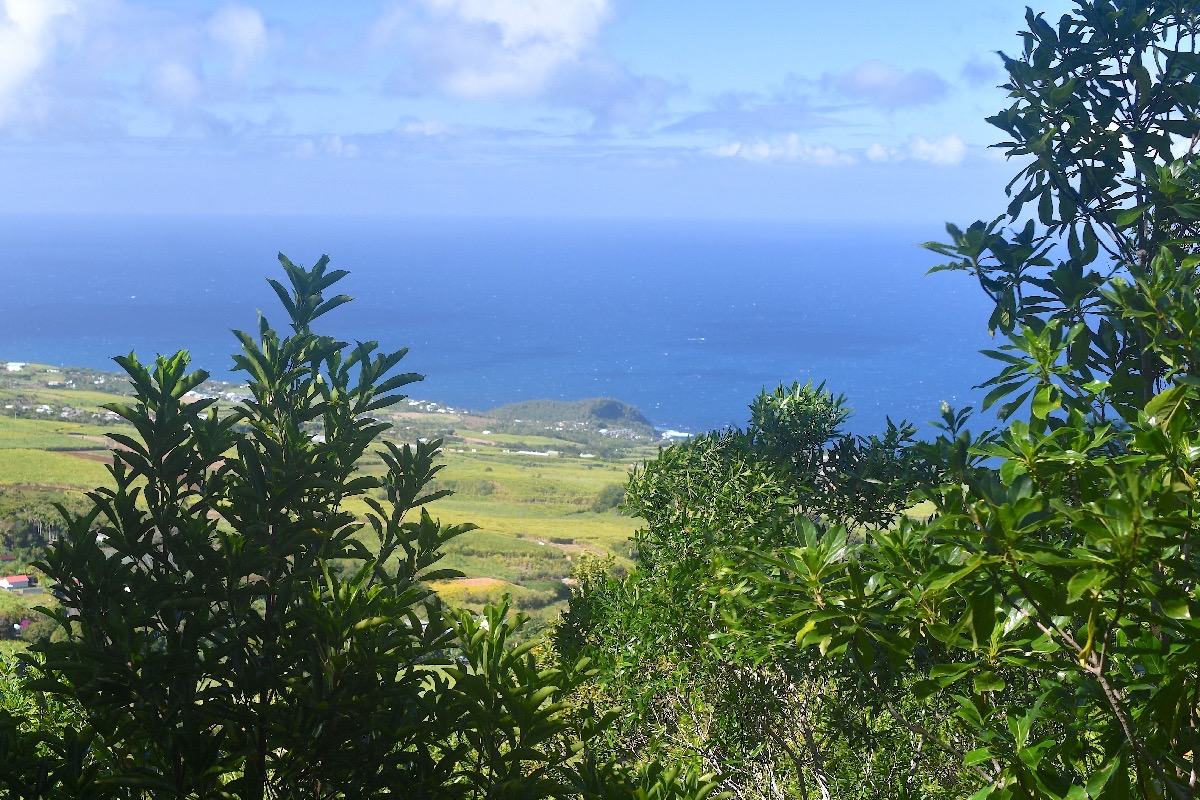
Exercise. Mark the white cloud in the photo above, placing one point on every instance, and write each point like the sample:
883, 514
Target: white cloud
878, 153
476, 48
425, 128
886, 86
548, 50
336, 147
790, 149
175, 83
29, 31
305, 149
942, 151
571, 23
240, 29
333, 146
980, 71
192, 64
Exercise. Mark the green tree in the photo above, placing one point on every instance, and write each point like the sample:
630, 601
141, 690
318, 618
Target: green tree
245, 611
609, 498
769, 720
1050, 602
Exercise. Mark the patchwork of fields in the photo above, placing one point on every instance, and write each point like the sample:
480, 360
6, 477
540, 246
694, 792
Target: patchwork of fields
537, 514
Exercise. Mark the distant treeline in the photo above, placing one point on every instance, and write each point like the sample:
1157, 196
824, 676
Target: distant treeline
29, 521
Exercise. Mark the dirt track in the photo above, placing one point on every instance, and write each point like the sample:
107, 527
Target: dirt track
102, 456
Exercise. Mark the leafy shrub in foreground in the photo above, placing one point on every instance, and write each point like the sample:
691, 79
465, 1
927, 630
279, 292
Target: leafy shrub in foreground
231, 630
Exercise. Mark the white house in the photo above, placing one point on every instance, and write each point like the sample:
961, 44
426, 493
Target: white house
14, 582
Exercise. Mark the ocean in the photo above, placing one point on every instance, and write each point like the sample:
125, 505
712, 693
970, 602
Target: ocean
687, 320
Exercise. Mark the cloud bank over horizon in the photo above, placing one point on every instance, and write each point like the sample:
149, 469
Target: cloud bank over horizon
565, 90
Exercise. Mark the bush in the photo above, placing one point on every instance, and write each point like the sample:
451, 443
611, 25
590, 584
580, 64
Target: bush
610, 497
211, 648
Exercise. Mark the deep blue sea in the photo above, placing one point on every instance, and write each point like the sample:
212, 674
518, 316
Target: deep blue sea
686, 320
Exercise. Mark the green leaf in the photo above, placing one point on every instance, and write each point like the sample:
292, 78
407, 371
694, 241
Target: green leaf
977, 756
1163, 407
1189, 211
946, 674
1002, 391
983, 615
924, 689
1128, 216
988, 682
1046, 400
985, 792
1100, 778
950, 576
1177, 607
1008, 358
1083, 582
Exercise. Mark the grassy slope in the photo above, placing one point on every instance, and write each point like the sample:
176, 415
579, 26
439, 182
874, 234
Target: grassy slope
509, 439
534, 513
535, 521
44, 469
49, 434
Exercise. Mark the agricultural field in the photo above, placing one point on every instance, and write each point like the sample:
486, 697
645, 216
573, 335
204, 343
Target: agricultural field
45, 469
537, 514
49, 434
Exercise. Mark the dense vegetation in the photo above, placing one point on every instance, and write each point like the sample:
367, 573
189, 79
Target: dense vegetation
809, 613
1033, 631
228, 628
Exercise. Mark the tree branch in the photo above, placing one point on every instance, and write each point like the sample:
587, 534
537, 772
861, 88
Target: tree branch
934, 739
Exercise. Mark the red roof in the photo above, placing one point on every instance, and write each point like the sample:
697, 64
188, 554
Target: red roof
15, 578
7, 558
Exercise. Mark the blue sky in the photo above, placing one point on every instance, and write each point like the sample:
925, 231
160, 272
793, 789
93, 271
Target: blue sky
763, 109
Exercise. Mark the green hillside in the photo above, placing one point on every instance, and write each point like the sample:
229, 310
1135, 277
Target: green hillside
600, 412
534, 492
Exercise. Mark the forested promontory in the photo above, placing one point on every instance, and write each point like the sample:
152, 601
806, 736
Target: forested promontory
601, 413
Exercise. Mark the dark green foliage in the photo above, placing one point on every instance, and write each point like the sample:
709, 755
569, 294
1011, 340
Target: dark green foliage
610, 497
230, 629
1049, 605
1105, 108
722, 487
46, 744
511, 721
687, 688
213, 648
1037, 636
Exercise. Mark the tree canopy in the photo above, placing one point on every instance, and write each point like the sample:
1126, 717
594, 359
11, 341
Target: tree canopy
1034, 628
